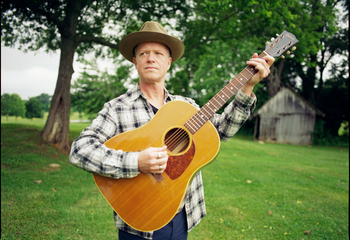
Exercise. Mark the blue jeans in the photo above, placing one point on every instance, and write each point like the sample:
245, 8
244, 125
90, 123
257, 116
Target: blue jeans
176, 229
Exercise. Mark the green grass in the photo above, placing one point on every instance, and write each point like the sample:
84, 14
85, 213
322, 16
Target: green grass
269, 191
292, 189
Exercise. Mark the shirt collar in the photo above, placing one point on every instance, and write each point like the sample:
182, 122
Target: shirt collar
136, 92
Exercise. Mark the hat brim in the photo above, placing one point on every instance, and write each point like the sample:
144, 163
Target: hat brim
129, 42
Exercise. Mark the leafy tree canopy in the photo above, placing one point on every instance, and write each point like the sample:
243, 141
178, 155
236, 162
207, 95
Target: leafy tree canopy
12, 105
45, 100
94, 87
34, 108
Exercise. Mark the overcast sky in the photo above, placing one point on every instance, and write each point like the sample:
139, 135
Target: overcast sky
33, 73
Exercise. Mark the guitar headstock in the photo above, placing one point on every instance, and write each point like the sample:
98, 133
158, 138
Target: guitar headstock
281, 44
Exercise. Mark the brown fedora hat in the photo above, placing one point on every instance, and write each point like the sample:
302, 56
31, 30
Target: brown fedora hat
151, 32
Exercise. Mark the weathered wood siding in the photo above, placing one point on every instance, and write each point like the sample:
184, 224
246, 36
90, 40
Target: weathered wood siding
287, 128
286, 118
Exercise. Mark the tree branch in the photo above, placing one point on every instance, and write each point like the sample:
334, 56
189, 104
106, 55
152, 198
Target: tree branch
89, 38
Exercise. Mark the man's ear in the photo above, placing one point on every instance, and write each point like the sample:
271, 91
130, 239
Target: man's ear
134, 61
169, 62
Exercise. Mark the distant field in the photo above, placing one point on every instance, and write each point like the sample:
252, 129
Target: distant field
253, 191
12, 119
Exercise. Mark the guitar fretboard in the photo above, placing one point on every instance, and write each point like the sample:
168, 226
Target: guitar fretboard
216, 102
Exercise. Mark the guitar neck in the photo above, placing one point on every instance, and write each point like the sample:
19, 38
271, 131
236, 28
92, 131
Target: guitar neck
216, 102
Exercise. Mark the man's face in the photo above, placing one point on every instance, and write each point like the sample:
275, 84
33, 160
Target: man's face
152, 61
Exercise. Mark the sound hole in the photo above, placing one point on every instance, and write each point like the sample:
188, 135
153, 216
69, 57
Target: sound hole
177, 140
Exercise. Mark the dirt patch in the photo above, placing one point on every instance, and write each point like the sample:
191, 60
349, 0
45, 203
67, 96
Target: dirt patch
3, 165
51, 168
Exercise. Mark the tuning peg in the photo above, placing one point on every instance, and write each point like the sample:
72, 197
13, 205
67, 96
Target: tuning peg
267, 43
293, 48
288, 52
272, 39
282, 56
277, 35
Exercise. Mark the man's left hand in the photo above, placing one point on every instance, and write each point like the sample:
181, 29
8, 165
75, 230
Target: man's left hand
262, 65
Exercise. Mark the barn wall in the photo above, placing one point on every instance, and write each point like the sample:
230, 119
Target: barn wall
286, 118
287, 128
267, 128
295, 129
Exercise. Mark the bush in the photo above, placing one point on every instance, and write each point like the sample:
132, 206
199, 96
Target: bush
323, 136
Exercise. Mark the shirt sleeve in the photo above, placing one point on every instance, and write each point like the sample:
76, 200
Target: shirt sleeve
234, 116
88, 151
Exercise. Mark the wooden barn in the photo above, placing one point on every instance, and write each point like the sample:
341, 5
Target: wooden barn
286, 118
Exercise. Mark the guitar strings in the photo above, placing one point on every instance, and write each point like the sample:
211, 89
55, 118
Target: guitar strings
176, 139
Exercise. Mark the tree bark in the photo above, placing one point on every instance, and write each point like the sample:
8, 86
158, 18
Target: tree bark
273, 80
56, 130
308, 84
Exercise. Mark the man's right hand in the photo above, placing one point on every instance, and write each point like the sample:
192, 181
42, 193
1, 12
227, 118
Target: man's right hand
153, 160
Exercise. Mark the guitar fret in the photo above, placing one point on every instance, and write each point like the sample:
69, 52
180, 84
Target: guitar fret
233, 86
202, 116
196, 125
196, 116
231, 92
226, 94
221, 97
210, 107
214, 98
187, 125
206, 109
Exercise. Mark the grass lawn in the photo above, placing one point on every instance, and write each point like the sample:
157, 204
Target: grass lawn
253, 191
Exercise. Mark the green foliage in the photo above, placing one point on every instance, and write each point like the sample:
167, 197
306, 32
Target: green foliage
5, 103
12, 105
344, 129
94, 87
34, 108
325, 137
45, 99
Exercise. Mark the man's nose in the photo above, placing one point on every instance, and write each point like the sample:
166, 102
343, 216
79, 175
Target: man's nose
151, 57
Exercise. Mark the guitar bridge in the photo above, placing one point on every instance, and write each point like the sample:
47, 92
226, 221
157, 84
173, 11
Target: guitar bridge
159, 177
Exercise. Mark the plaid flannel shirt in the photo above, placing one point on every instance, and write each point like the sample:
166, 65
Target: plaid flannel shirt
129, 111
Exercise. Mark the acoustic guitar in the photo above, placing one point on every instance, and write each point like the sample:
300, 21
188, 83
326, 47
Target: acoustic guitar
148, 202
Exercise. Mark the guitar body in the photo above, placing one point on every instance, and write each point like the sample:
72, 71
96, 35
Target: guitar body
145, 202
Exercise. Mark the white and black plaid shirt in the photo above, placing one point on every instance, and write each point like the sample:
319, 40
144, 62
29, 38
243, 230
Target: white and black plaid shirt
129, 111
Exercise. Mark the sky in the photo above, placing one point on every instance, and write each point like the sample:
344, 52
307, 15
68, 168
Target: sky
33, 73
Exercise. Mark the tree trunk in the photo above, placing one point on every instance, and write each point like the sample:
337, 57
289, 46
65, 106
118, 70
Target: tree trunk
309, 80
56, 130
273, 80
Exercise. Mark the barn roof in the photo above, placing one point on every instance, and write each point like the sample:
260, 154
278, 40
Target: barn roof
287, 101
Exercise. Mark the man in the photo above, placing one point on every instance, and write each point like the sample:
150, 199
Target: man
152, 51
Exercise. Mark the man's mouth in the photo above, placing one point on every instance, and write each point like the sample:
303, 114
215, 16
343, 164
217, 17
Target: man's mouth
151, 68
